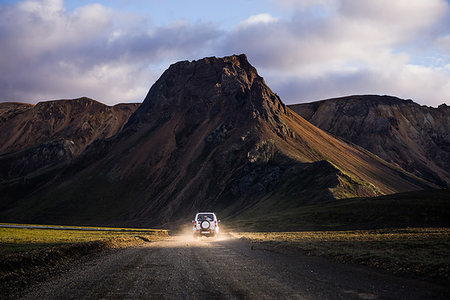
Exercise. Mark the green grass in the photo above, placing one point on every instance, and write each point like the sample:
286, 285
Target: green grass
416, 251
23, 239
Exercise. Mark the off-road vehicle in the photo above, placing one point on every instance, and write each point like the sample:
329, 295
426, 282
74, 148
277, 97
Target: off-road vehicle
205, 224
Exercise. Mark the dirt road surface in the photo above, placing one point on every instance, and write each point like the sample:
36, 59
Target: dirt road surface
183, 268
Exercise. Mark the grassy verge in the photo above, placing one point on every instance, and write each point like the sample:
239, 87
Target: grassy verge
33, 254
13, 240
412, 209
414, 251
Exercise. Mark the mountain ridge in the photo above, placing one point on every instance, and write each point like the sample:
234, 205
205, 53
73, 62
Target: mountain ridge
38, 136
210, 134
400, 131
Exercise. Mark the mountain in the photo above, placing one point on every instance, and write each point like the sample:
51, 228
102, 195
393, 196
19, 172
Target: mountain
415, 137
210, 135
41, 135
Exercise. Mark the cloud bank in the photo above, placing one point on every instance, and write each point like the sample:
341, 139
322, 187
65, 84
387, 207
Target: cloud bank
306, 50
49, 53
335, 48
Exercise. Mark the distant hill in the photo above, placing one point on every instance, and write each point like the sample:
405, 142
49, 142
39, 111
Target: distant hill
38, 136
415, 137
210, 135
429, 208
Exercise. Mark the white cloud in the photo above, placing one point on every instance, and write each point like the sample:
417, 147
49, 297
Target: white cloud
314, 49
333, 48
47, 52
257, 19
404, 81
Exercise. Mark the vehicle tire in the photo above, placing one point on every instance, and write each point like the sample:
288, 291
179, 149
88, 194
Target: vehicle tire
205, 224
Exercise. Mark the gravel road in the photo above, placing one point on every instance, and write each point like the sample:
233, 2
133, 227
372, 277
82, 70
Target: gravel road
183, 268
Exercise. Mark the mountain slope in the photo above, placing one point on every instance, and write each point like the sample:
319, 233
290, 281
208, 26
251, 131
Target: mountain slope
415, 137
81, 120
430, 208
209, 135
36, 136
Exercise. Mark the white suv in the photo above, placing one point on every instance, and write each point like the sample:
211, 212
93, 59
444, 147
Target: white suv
205, 223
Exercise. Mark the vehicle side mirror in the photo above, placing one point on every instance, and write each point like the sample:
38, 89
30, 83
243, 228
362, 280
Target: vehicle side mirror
218, 221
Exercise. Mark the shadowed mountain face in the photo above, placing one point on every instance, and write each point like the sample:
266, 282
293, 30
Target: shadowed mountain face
42, 135
210, 135
415, 137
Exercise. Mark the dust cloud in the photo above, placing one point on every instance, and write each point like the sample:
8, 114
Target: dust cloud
185, 234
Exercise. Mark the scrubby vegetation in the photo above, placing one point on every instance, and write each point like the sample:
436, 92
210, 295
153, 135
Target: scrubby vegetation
414, 251
14, 240
30, 255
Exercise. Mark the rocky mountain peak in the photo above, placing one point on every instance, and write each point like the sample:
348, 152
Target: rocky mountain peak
204, 87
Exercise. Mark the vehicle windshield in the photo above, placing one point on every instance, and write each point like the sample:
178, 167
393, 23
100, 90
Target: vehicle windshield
207, 217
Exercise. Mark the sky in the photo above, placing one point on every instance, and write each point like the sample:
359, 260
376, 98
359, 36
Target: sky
306, 50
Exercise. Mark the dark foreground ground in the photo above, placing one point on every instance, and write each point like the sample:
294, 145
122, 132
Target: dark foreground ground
224, 269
